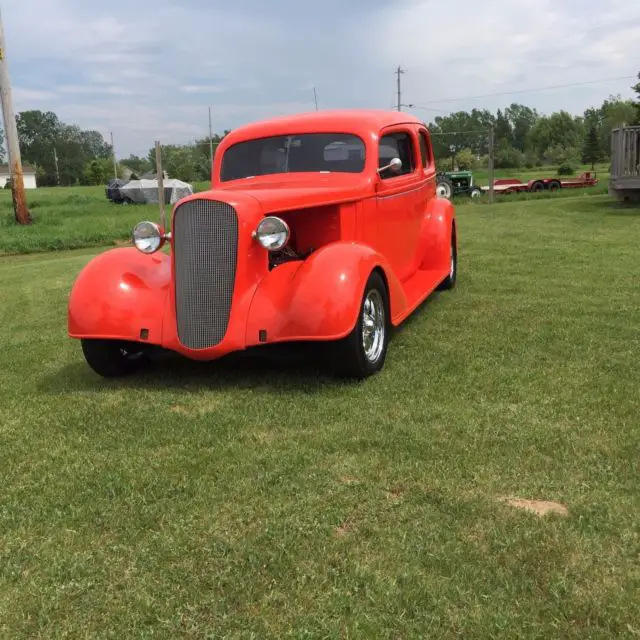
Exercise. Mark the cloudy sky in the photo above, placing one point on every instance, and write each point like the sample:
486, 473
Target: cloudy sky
148, 70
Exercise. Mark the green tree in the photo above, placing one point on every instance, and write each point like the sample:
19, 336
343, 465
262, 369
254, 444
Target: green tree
503, 132
522, 119
465, 159
591, 152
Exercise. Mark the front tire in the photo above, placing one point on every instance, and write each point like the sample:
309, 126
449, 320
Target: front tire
114, 358
475, 193
363, 352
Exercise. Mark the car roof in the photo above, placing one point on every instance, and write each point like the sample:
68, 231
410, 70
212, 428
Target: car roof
362, 122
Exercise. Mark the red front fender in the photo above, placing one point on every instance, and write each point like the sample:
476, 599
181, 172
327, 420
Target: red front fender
318, 299
119, 293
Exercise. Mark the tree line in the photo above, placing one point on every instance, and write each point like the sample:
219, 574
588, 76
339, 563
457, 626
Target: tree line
65, 154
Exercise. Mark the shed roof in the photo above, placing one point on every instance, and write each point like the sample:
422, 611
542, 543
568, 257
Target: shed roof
4, 169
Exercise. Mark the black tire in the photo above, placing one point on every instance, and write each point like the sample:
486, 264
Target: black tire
537, 186
450, 281
444, 187
114, 358
349, 356
475, 192
554, 185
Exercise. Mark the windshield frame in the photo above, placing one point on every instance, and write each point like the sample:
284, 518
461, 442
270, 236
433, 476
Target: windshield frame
347, 137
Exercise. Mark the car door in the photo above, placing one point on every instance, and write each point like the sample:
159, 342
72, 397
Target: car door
399, 199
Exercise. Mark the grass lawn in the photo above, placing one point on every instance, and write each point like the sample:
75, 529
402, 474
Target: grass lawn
82, 217
259, 499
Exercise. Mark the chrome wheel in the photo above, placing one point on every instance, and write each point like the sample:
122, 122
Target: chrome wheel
373, 326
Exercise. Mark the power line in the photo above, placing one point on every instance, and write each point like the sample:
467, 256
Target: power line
507, 93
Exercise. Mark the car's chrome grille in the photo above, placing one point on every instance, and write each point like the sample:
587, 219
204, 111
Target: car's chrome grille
205, 245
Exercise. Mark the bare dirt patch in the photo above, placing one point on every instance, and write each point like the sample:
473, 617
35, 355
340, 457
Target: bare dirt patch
345, 529
539, 507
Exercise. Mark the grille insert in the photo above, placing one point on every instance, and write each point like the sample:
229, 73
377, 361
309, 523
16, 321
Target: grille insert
205, 240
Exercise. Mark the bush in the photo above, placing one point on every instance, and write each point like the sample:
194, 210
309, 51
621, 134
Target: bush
508, 158
566, 169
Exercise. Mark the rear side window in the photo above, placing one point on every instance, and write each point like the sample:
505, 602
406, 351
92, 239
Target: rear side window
396, 145
424, 150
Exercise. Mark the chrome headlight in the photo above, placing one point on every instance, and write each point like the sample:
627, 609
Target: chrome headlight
272, 233
147, 237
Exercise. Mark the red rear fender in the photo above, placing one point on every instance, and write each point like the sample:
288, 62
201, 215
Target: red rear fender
434, 251
318, 299
119, 293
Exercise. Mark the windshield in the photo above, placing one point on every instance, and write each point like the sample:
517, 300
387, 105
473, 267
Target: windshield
308, 152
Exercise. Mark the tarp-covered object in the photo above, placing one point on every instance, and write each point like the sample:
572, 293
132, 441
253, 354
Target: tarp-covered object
146, 191
112, 191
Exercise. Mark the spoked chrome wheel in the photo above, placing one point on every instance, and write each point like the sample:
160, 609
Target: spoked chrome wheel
373, 325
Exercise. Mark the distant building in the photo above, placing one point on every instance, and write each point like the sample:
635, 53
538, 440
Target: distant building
29, 174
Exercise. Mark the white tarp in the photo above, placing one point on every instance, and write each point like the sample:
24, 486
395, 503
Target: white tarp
146, 191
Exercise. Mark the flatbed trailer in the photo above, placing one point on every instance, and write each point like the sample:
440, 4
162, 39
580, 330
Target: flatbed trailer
513, 185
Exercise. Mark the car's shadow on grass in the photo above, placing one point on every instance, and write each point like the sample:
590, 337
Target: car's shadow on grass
296, 366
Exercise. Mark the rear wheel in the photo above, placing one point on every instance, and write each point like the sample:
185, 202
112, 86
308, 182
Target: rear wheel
362, 353
537, 186
444, 187
450, 281
114, 358
554, 185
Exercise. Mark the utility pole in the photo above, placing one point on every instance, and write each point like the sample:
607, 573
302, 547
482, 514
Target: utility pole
160, 176
491, 172
55, 159
399, 72
210, 140
115, 163
315, 97
22, 214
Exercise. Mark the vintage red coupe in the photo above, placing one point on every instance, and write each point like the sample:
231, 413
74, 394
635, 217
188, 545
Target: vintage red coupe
317, 227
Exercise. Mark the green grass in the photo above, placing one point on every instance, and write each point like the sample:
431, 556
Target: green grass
258, 499
81, 217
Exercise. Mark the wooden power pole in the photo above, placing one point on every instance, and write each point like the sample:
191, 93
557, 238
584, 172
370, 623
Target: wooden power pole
11, 131
399, 72
491, 166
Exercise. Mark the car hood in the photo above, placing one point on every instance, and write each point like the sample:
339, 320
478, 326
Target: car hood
275, 196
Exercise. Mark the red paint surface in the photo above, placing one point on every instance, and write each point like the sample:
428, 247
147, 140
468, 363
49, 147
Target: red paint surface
351, 224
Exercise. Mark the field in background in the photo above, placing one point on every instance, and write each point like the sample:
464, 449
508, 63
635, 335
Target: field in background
81, 217
262, 499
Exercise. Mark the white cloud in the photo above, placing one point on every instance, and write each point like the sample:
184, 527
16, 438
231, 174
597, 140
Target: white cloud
153, 70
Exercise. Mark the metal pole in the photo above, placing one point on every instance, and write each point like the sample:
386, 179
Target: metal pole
491, 172
22, 215
210, 140
115, 163
160, 175
399, 71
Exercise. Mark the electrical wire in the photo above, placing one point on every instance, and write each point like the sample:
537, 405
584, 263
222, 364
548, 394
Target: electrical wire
507, 93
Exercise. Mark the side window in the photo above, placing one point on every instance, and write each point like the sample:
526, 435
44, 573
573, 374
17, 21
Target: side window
396, 145
424, 150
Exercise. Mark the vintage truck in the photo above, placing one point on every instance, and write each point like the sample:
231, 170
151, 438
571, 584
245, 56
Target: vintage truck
317, 227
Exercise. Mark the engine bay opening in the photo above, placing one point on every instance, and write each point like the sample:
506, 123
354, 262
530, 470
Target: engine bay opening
310, 229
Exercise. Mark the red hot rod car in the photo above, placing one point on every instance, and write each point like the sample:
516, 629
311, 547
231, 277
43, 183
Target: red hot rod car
317, 227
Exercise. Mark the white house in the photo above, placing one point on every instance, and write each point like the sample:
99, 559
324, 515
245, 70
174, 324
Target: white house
29, 174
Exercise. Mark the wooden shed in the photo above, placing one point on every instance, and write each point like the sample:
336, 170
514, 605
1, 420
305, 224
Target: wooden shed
624, 182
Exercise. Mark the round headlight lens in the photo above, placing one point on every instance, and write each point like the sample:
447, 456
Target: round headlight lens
147, 237
272, 233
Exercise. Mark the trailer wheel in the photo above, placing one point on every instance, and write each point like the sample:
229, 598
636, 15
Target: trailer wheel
537, 186
554, 185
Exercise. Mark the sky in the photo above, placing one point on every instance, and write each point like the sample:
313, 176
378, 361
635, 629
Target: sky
150, 70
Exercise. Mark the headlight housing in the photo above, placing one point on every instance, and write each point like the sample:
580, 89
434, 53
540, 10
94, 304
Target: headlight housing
272, 233
147, 237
